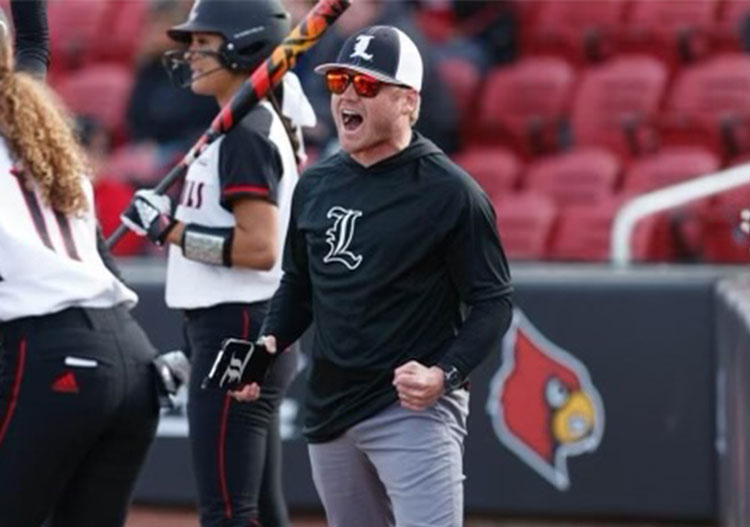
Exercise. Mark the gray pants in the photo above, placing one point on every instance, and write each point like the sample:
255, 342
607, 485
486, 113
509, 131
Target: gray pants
398, 468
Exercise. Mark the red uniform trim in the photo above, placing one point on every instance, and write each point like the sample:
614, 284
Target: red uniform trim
242, 189
222, 458
245, 324
223, 432
16, 387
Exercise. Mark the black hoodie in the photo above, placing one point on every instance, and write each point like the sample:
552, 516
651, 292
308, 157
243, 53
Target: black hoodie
383, 259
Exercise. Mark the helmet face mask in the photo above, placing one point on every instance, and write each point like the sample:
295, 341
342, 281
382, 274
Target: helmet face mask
177, 66
251, 30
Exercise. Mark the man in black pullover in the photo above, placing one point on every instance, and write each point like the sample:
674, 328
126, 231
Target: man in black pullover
392, 251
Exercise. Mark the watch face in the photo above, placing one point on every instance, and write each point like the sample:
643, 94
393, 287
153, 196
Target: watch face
452, 379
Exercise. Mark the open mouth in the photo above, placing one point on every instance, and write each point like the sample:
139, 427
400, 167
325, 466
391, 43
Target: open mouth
351, 120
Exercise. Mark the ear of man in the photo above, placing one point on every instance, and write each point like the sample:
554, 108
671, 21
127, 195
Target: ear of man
413, 102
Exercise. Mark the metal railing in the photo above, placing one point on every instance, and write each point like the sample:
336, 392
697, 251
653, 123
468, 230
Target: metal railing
668, 198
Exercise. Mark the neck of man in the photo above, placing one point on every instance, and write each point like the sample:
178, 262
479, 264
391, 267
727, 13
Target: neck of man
384, 149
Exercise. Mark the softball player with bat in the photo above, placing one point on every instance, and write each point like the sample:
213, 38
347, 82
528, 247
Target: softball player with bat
393, 250
78, 398
225, 238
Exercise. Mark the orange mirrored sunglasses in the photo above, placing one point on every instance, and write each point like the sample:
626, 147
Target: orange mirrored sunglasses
337, 81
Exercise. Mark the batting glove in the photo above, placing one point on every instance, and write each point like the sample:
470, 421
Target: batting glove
173, 371
150, 214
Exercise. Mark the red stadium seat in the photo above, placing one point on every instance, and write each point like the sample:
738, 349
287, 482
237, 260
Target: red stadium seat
742, 159
436, 22
730, 31
580, 177
581, 31
678, 31
651, 242
525, 222
668, 167
135, 164
526, 12
677, 233
111, 198
73, 25
710, 105
100, 91
495, 169
120, 34
463, 79
523, 104
615, 101
584, 233
721, 239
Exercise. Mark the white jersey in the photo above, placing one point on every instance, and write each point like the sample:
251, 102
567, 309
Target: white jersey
254, 159
49, 261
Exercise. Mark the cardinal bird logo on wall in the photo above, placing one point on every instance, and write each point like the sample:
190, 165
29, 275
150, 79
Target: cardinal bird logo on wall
543, 404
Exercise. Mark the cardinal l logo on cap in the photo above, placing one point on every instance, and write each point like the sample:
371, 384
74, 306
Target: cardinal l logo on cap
360, 48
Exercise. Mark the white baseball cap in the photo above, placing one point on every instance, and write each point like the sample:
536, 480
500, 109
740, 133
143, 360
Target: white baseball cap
383, 52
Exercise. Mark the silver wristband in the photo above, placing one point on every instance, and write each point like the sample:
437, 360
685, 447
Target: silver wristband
211, 245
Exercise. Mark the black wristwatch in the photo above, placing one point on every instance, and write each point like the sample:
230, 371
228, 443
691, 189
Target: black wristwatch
452, 379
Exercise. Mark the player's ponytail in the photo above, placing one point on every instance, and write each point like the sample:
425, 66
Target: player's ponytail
39, 134
289, 128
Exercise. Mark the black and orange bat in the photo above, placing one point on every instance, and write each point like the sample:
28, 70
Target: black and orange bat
265, 77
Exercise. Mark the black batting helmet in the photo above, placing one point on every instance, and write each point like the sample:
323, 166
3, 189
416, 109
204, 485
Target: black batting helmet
251, 29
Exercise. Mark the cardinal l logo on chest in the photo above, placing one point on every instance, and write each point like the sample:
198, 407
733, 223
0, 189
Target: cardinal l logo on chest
340, 235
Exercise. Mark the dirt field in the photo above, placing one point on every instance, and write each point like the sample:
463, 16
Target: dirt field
170, 517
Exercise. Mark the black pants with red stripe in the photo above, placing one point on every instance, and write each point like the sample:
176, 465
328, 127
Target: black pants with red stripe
235, 446
78, 411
